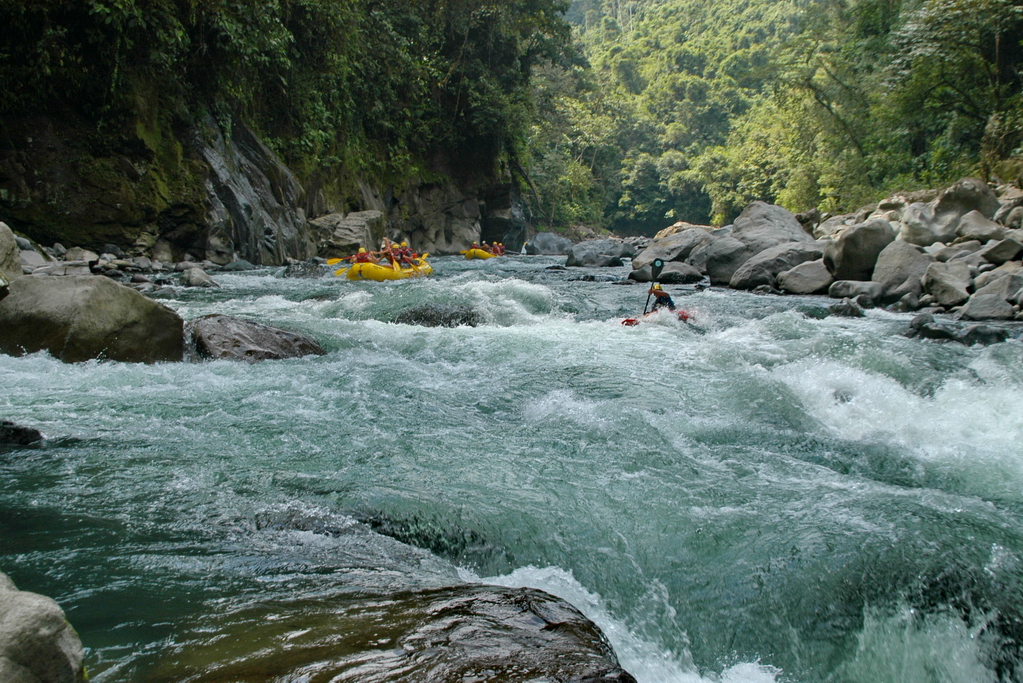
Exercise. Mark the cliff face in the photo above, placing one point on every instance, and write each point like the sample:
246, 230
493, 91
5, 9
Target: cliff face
171, 190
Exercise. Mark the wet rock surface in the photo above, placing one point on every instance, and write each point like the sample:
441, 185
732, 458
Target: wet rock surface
12, 434
439, 315
87, 317
224, 337
457, 634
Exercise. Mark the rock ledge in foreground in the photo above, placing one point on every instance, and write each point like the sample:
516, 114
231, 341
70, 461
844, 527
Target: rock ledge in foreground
222, 337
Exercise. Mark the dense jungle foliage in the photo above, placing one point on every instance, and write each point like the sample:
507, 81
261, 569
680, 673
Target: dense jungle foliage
382, 88
690, 109
620, 114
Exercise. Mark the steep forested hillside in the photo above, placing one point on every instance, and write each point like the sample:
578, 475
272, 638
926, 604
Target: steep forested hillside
689, 109
380, 90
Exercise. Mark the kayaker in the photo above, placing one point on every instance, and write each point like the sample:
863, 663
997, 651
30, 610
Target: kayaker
661, 298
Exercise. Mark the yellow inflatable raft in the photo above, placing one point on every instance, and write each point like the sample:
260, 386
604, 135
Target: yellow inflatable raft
375, 271
477, 253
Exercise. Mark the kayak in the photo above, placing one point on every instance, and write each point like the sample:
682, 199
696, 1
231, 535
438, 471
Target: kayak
632, 322
375, 271
477, 253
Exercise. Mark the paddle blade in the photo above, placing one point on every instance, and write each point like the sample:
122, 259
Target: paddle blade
630, 322
334, 261
340, 271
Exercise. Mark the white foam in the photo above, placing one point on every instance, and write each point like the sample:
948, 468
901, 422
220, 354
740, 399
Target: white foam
649, 662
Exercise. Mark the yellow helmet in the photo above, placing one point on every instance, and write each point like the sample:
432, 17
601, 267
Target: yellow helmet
657, 285
362, 250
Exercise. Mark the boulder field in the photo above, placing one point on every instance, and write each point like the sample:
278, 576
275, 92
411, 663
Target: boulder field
955, 251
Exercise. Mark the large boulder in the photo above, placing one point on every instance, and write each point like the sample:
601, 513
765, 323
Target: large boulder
900, 267
987, 307
227, 338
834, 225
12, 434
197, 277
343, 234
764, 268
37, 644
949, 282
1008, 286
10, 255
761, 226
600, 253
84, 317
1001, 251
673, 273
853, 253
977, 226
812, 277
461, 633
938, 220
675, 246
548, 244
720, 258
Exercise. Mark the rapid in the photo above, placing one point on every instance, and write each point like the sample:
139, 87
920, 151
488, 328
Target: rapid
765, 494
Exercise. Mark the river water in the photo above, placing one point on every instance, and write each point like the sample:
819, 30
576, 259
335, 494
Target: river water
763, 495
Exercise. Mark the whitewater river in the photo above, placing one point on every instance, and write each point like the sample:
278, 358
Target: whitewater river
764, 495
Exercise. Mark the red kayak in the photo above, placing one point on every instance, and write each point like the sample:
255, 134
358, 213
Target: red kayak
632, 322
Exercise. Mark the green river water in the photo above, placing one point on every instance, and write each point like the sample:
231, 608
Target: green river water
764, 495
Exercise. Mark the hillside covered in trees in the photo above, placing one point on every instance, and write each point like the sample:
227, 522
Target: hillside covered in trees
690, 109
611, 114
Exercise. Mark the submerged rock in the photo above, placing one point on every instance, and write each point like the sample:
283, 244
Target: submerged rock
81, 318
16, 435
462, 633
227, 338
37, 644
438, 315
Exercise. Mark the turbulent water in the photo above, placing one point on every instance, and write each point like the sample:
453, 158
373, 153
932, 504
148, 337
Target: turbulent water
763, 495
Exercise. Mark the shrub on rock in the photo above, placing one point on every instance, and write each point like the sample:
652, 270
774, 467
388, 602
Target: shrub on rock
80, 318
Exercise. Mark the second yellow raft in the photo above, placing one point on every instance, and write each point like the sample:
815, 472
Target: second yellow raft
477, 253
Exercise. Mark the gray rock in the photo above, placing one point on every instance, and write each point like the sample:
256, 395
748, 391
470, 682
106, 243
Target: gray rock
16, 435
37, 644
899, 268
79, 254
1007, 287
340, 234
196, 277
606, 253
853, 253
673, 273
983, 335
228, 338
847, 309
439, 315
1001, 251
82, 318
969, 194
948, 282
548, 244
761, 226
675, 247
853, 289
32, 258
834, 225
764, 268
1007, 268
909, 302
720, 258
142, 263
976, 226
241, 265
987, 307
812, 277
921, 226
10, 254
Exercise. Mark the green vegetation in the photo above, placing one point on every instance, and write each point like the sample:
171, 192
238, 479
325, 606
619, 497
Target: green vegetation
663, 110
690, 109
380, 88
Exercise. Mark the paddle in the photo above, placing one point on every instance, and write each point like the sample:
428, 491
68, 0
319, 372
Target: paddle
335, 261
655, 270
